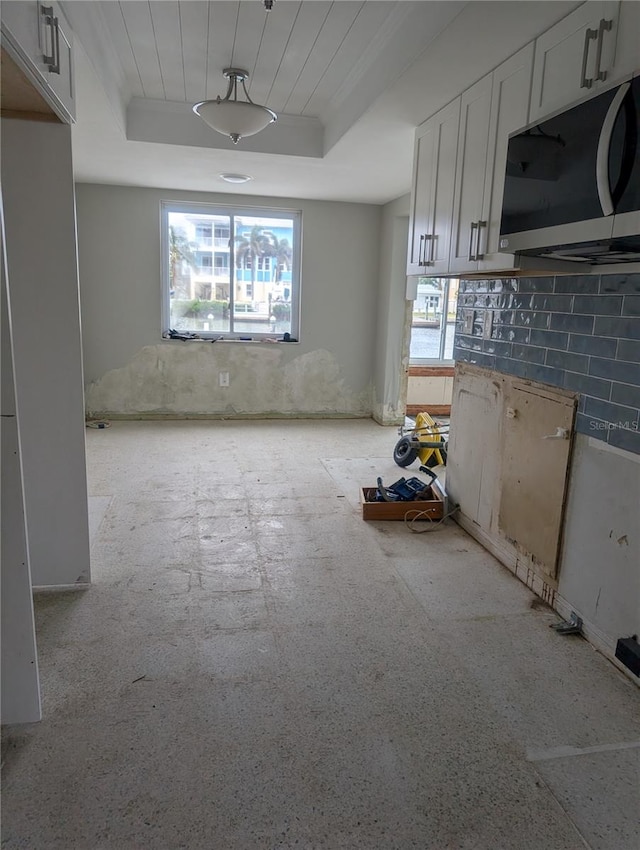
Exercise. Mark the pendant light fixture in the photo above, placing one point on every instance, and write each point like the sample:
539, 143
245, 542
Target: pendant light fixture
232, 117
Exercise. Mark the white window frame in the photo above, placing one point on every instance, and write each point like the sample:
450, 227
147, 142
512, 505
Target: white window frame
232, 211
440, 360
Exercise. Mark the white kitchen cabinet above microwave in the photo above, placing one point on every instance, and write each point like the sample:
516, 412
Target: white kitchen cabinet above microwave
37, 36
459, 166
583, 52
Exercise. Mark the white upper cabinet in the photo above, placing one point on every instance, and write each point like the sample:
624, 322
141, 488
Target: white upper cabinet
39, 39
473, 146
576, 57
495, 106
510, 89
628, 45
432, 194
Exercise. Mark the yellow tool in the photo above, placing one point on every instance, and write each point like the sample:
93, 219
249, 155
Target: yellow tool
425, 441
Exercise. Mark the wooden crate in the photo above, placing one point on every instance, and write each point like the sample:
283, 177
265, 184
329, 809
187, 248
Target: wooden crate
372, 510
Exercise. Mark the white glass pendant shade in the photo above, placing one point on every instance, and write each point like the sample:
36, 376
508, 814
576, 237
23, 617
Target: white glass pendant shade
232, 117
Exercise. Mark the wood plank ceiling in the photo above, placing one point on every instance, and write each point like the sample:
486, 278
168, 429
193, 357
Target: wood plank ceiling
302, 57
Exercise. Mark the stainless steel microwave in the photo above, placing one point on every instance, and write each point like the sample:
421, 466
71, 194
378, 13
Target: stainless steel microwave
572, 183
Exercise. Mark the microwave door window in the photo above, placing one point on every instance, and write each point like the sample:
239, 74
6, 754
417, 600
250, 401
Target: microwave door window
551, 170
624, 164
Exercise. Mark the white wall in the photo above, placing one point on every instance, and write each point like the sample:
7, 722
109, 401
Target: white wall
393, 310
600, 563
130, 370
19, 664
38, 198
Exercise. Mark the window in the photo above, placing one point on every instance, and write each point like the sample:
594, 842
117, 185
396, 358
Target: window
433, 320
255, 264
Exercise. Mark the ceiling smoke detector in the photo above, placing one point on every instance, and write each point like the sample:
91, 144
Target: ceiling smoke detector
235, 178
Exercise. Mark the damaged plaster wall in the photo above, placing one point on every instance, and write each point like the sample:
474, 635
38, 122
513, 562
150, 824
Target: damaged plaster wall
130, 370
392, 349
184, 381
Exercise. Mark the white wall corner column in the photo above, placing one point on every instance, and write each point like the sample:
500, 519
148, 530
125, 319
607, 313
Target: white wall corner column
19, 662
391, 353
42, 272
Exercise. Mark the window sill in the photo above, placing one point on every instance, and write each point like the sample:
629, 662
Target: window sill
441, 370
234, 340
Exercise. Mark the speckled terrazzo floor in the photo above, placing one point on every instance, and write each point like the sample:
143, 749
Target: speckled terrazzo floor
257, 667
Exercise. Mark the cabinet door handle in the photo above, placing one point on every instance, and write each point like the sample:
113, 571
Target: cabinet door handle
52, 61
47, 14
420, 249
55, 68
432, 237
480, 256
472, 230
605, 26
602, 155
587, 82
427, 238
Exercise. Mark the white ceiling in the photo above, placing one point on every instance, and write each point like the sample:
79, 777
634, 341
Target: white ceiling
350, 82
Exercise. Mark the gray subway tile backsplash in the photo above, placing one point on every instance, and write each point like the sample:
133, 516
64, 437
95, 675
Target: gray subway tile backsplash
626, 394
626, 328
615, 370
631, 305
617, 415
628, 349
624, 438
588, 386
549, 339
573, 322
627, 284
593, 345
578, 284
553, 303
579, 332
532, 319
565, 360
528, 353
598, 305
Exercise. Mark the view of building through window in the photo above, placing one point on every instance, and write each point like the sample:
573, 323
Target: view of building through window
231, 272
433, 320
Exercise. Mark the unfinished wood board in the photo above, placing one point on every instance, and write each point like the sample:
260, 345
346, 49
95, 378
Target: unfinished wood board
534, 473
19, 97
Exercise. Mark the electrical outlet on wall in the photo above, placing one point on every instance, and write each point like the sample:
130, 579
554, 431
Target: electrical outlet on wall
468, 318
223, 379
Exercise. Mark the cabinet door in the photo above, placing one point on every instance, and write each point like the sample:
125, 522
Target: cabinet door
422, 196
432, 199
509, 110
39, 39
627, 58
534, 473
473, 140
60, 79
574, 58
21, 32
444, 184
